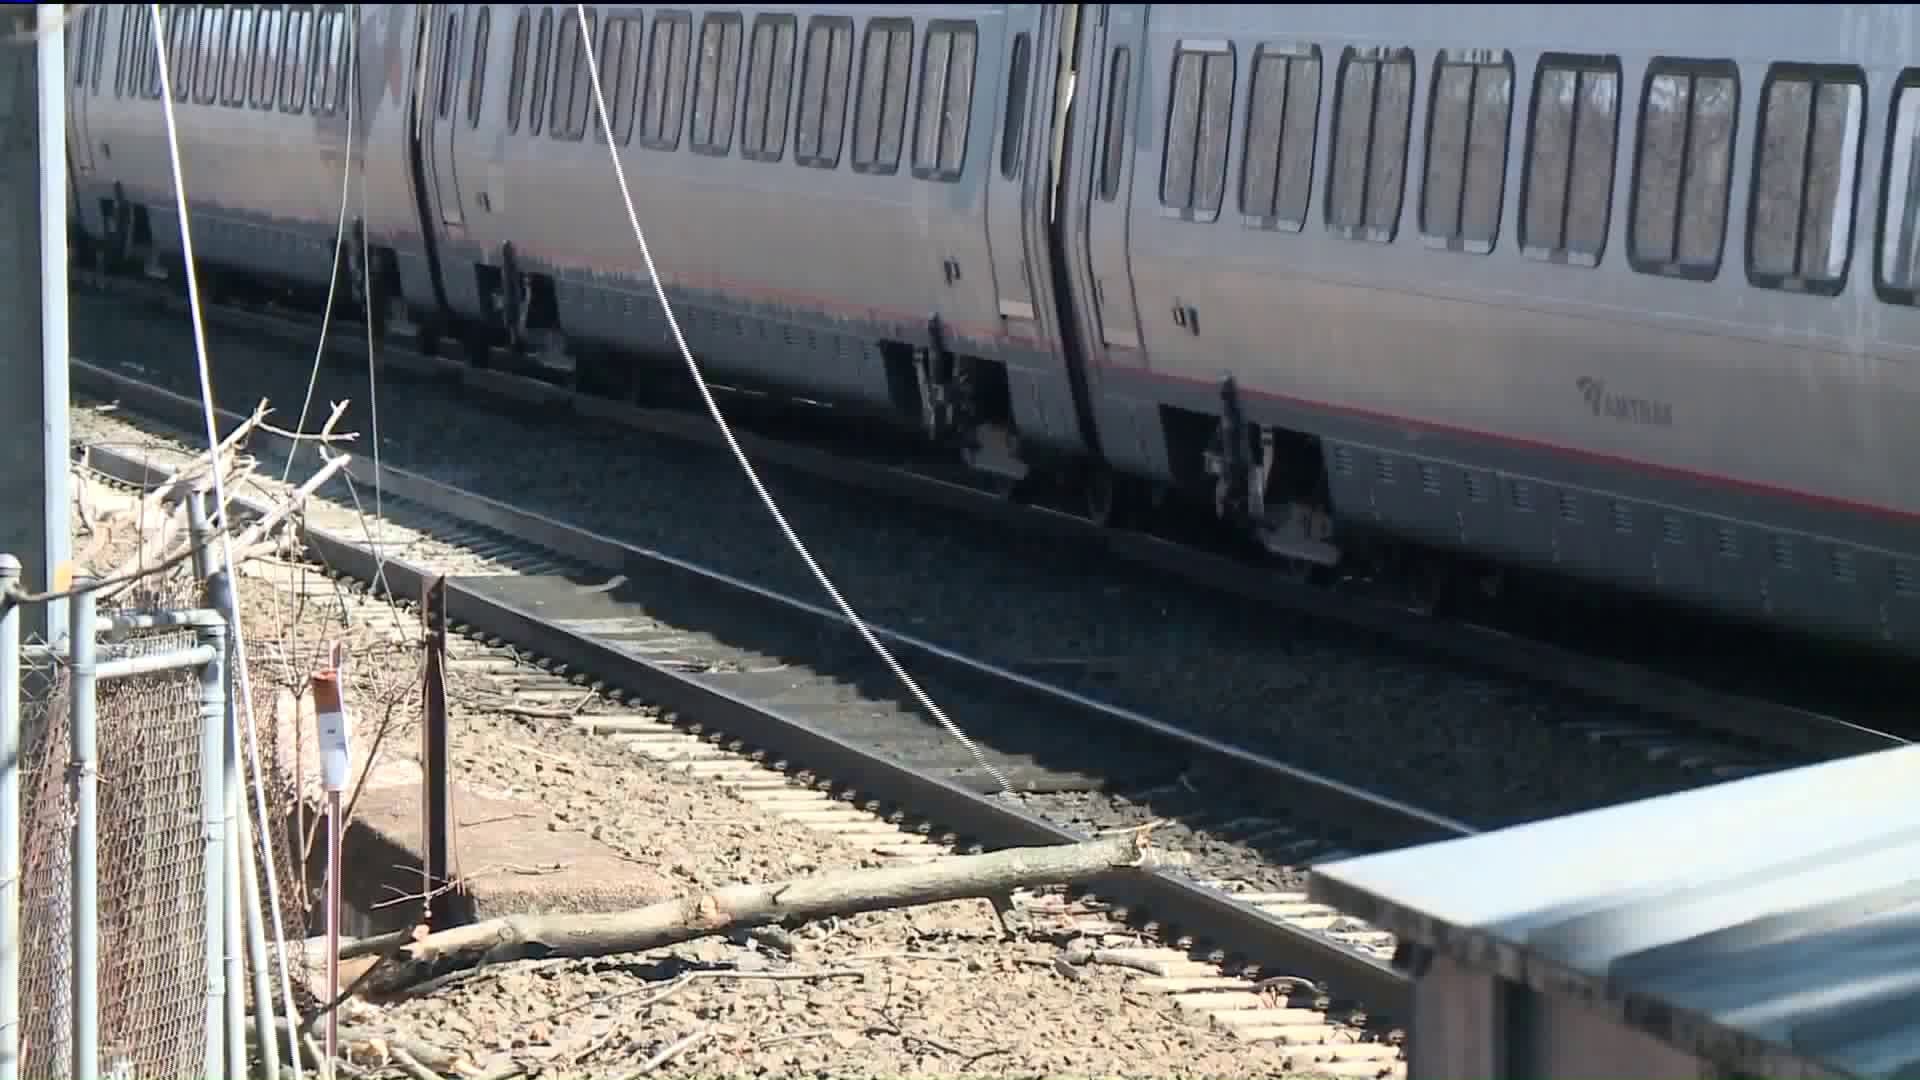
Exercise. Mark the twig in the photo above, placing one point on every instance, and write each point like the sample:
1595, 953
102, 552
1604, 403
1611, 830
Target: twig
672, 1050
412, 1065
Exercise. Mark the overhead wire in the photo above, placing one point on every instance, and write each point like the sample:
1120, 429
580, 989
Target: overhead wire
726, 431
236, 633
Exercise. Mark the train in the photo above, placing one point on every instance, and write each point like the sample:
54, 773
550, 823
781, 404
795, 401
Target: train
1569, 289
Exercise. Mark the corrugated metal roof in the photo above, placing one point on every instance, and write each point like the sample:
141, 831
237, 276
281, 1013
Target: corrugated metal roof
1771, 924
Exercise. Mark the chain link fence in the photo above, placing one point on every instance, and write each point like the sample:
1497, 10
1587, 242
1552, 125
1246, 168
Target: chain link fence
156, 967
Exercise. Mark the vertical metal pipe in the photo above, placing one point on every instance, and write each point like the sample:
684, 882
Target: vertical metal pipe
197, 533
84, 770
53, 296
213, 737
257, 948
236, 1001
10, 822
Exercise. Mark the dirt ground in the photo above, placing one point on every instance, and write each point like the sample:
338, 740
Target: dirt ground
935, 990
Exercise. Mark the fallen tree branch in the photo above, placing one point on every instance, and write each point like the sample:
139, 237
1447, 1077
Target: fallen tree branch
737, 907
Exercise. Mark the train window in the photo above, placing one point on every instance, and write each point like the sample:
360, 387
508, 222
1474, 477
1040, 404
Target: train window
619, 60
1372, 121
542, 62
517, 74
580, 111
1119, 74
77, 47
1897, 270
946, 100
763, 125
477, 73
445, 67
330, 60
239, 52
1566, 203
1684, 168
572, 101
880, 107
183, 32
151, 53
202, 66
1283, 109
664, 112
1805, 160
1193, 172
824, 72
1471, 106
716, 83
99, 48
293, 50
266, 57
1014, 125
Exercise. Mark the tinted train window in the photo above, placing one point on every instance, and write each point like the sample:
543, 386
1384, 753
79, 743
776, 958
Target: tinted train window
1372, 119
824, 71
517, 75
183, 36
946, 100
572, 101
619, 60
1567, 200
1683, 168
449, 66
99, 50
1276, 172
1898, 267
328, 46
542, 63
239, 52
477, 71
763, 135
266, 57
666, 94
880, 106
1805, 160
716, 84
205, 56
77, 47
1471, 105
1193, 171
294, 47
1119, 76
1014, 125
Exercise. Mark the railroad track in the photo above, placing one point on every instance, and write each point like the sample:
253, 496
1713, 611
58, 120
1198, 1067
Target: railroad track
1687, 719
745, 687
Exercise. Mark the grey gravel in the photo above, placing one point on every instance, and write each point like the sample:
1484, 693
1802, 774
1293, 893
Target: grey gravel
1472, 747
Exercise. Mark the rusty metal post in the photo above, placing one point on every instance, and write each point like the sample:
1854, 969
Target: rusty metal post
436, 794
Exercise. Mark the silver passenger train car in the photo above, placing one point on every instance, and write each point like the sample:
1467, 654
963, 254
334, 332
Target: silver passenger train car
1627, 293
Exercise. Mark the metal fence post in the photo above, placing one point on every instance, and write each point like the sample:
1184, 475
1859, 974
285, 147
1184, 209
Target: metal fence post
84, 773
220, 598
10, 822
213, 719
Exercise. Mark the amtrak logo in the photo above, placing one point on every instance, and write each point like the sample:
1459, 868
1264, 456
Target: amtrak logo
1627, 410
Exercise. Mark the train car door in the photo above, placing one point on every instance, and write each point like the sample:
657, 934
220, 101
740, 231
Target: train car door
1015, 191
1118, 41
440, 82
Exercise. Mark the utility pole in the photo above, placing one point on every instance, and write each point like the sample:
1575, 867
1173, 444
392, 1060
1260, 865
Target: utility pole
34, 508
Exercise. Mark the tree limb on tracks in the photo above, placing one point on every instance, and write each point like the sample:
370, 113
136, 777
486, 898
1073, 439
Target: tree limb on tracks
739, 907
